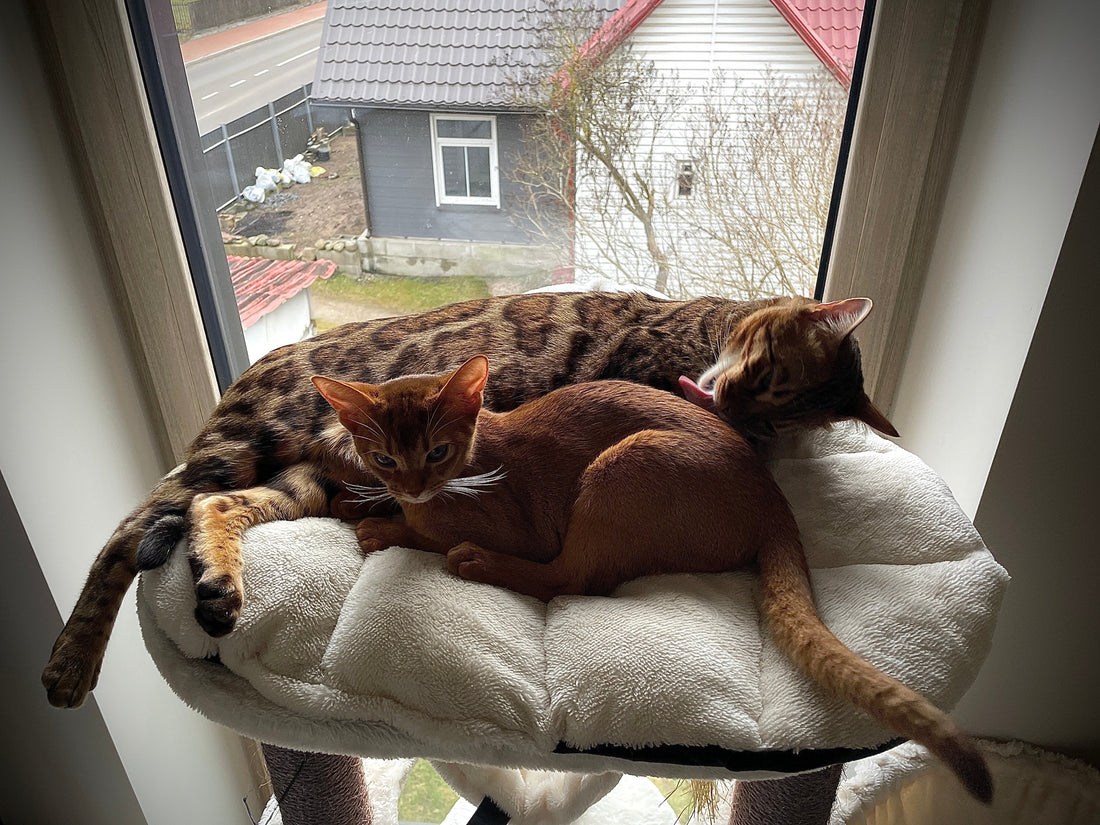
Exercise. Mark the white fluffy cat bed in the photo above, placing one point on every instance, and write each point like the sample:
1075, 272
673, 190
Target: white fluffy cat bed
389, 656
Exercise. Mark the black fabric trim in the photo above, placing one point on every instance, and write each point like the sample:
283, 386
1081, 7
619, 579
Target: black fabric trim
489, 813
712, 756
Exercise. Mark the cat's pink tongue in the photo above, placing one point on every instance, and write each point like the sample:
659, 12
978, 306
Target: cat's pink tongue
696, 394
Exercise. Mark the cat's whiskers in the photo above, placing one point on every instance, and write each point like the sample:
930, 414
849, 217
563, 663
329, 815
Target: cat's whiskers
473, 486
371, 426
368, 494
446, 422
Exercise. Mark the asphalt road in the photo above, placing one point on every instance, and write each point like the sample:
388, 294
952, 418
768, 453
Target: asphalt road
232, 83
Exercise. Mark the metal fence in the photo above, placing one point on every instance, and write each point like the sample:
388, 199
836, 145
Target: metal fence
265, 137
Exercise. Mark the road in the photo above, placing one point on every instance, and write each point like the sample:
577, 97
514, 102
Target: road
232, 83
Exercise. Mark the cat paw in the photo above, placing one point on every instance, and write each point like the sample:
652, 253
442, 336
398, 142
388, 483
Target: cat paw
219, 606
468, 561
369, 542
69, 677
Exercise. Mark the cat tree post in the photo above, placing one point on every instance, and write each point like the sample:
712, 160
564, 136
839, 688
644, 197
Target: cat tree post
314, 788
801, 799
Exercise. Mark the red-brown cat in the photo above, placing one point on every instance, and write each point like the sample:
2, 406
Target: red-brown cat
594, 485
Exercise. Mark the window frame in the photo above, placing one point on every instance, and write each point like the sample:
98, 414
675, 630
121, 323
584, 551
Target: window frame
683, 178
904, 141
438, 144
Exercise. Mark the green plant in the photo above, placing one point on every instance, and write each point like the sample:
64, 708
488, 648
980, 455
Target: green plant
404, 295
425, 797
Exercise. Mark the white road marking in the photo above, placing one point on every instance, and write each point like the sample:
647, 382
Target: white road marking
207, 97
236, 84
261, 72
299, 56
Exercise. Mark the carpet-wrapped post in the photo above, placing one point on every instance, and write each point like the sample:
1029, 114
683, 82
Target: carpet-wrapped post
318, 787
801, 799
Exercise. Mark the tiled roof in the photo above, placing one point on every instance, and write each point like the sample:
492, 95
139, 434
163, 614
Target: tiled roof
830, 28
261, 286
448, 53
438, 53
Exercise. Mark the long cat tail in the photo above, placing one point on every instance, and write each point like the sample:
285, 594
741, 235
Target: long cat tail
788, 606
77, 655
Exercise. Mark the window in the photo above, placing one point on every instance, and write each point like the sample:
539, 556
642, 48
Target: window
685, 178
464, 157
885, 215
884, 218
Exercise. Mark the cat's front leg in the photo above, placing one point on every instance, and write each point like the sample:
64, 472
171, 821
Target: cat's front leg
376, 534
531, 578
218, 522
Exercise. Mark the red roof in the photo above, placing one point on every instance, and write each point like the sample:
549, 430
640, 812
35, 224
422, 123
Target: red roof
830, 28
261, 285
618, 28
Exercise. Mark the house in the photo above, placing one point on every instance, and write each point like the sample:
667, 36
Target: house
737, 67
428, 89
438, 135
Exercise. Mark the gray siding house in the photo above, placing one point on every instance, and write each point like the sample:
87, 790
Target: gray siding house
426, 88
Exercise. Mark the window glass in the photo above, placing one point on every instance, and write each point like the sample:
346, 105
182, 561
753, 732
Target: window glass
454, 171
480, 182
464, 128
694, 157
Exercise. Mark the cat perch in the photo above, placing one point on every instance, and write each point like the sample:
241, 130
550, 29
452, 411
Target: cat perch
390, 656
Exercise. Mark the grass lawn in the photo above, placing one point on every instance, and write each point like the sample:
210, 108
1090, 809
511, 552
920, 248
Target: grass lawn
427, 798
403, 296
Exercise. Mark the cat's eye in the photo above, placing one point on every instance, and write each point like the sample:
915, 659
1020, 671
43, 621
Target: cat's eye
437, 454
383, 460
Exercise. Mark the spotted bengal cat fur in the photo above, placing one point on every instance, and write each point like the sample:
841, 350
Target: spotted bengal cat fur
275, 443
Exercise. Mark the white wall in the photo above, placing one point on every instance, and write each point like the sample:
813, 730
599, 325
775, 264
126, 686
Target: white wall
288, 323
1030, 128
691, 40
1028, 131
77, 454
1038, 514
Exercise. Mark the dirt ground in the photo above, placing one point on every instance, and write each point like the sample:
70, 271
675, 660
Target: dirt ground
328, 207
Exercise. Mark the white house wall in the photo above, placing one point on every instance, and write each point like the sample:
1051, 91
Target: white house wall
691, 41
288, 323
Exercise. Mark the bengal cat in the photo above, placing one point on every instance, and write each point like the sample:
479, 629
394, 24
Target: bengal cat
274, 438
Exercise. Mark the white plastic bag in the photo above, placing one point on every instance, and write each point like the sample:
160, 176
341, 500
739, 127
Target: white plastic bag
254, 194
268, 179
296, 169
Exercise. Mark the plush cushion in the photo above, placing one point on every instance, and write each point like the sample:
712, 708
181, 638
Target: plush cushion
389, 655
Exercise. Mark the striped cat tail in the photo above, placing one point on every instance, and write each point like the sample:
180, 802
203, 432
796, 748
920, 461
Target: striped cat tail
77, 654
788, 606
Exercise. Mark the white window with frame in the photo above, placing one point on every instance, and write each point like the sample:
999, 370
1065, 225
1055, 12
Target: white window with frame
464, 159
897, 170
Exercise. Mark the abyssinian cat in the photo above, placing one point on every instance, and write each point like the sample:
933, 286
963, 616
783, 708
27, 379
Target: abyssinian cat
594, 485
276, 448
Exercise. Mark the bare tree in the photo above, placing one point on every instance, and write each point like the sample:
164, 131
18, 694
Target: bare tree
723, 190
594, 160
764, 157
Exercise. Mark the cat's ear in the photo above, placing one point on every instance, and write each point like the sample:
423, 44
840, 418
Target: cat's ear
464, 386
868, 413
841, 317
343, 397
